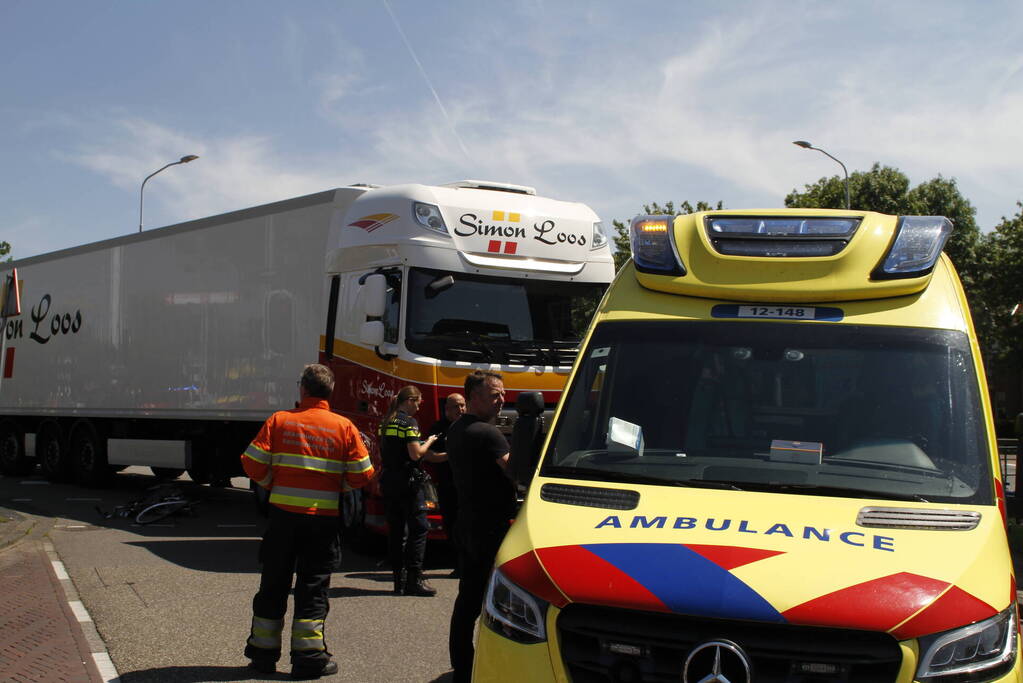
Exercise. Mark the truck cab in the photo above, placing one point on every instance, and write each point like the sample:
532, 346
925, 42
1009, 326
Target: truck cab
775, 461
428, 283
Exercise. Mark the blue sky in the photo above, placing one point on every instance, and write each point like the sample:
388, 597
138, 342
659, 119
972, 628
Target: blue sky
614, 104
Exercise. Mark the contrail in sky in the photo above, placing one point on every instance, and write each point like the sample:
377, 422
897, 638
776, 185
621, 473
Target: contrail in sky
426, 78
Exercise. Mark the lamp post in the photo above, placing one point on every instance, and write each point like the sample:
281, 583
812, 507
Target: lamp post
182, 160
806, 145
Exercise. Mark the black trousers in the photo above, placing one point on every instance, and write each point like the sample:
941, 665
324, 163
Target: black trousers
476, 553
306, 548
406, 522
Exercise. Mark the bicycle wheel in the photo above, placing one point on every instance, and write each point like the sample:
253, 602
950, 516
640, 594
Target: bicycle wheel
158, 511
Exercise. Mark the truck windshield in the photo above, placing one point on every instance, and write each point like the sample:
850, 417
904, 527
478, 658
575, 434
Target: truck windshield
456, 316
805, 408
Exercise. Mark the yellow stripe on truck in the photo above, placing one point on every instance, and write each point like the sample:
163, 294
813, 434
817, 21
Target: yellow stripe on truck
526, 379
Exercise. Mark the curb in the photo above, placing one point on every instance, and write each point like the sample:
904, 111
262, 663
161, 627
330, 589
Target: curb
17, 528
98, 649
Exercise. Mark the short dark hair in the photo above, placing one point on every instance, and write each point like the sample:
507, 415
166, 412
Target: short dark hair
478, 378
317, 380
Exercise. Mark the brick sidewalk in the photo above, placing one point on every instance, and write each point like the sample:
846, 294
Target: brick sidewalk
42, 639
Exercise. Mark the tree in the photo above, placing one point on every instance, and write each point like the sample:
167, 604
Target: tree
1001, 285
886, 190
5, 249
623, 249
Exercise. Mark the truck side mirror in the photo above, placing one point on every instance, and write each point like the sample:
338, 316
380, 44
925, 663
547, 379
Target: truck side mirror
371, 333
526, 438
374, 295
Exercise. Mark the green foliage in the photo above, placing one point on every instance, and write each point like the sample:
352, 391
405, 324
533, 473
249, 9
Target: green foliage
623, 250
5, 249
887, 190
1000, 283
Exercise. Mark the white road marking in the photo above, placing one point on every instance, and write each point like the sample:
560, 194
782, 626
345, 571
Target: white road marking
106, 667
58, 568
78, 608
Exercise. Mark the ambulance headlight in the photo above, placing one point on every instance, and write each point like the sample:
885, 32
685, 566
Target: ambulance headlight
918, 243
428, 216
599, 239
653, 249
978, 652
513, 612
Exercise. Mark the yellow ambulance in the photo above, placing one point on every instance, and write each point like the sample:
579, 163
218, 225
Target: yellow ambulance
775, 461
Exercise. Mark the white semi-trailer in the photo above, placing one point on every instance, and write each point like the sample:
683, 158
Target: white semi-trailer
168, 348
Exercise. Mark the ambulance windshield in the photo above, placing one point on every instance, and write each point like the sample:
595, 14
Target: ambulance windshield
859, 411
517, 321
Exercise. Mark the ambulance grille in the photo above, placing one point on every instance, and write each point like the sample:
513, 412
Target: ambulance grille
590, 496
918, 518
604, 644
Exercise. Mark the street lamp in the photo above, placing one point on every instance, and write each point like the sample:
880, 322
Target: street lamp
806, 145
182, 160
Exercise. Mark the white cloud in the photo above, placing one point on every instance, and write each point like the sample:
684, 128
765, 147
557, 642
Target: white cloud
230, 173
721, 103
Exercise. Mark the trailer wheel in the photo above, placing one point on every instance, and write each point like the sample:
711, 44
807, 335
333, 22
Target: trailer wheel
89, 456
12, 449
167, 472
52, 448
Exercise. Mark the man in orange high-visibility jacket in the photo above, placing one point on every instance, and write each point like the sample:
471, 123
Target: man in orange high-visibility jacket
305, 458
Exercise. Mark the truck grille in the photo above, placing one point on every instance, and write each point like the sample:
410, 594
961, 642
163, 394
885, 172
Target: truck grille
608, 645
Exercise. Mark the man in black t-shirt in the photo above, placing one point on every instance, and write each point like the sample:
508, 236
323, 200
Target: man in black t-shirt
447, 496
478, 454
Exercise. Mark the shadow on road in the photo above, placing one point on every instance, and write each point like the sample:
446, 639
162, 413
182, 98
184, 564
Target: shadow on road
220, 511
213, 674
444, 678
200, 674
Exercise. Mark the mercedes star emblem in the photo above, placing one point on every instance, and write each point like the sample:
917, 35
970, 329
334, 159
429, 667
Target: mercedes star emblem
717, 661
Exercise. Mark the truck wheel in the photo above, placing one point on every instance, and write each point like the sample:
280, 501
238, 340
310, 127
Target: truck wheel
167, 472
12, 449
53, 453
353, 514
89, 456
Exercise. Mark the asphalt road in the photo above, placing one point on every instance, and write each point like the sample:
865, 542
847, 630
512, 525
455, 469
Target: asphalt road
172, 602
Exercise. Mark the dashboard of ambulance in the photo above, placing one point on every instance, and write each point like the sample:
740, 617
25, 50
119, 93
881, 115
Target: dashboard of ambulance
791, 407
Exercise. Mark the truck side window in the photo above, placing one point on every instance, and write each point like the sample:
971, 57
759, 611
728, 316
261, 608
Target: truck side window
392, 314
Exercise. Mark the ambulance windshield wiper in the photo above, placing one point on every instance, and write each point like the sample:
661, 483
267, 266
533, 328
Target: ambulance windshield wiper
631, 478
841, 491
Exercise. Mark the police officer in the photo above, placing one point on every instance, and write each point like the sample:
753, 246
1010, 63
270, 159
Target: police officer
402, 450
303, 458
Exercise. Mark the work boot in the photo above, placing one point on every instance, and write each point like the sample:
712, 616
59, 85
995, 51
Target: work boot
263, 666
416, 585
305, 673
400, 581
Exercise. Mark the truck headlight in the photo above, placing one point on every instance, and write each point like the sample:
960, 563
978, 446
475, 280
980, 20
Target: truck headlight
599, 239
429, 216
980, 651
514, 613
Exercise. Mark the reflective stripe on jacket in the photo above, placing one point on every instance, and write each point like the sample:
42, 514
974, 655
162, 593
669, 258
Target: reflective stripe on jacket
306, 457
